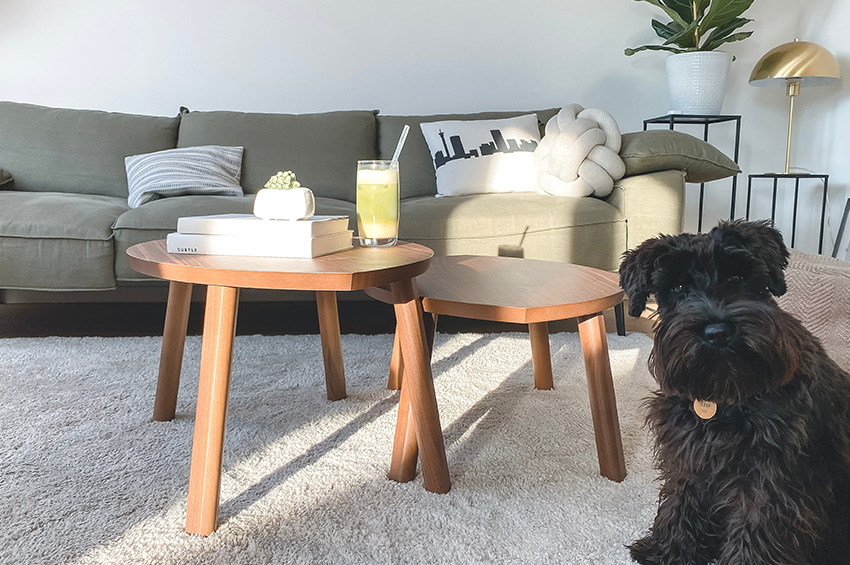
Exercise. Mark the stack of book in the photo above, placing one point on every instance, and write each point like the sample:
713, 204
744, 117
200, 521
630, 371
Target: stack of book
246, 234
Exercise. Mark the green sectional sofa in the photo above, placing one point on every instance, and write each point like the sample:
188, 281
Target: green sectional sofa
65, 224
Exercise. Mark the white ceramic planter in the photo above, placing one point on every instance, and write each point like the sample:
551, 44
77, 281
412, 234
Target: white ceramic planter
284, 204
697, 81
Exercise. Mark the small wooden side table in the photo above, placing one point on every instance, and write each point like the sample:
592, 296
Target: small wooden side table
355, 269
526, 291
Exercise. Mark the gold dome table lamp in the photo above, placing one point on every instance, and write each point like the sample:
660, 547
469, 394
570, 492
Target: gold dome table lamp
795, 63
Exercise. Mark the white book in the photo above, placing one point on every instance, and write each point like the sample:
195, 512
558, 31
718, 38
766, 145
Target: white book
249, 224
256, 246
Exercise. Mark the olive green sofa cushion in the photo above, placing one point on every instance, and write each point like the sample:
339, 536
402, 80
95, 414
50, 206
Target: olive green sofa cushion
76, 151
57, 241
664, 150
587, 231
321, 149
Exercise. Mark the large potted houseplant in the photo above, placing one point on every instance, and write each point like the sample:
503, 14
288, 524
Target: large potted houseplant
696, 71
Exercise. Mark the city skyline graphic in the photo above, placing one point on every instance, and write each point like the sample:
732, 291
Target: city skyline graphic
498, 145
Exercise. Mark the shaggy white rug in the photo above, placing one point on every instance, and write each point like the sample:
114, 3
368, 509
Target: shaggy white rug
87, 477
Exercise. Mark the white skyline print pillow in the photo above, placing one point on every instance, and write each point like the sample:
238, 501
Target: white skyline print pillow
483, 156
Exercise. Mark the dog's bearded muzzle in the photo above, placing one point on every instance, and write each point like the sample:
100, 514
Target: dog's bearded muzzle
722, 351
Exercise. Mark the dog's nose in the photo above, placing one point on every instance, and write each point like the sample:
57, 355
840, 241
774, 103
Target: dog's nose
717, 333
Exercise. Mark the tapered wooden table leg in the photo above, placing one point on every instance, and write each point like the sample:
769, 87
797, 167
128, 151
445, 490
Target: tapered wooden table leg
397, 362
331, 344
430, 323
211, 411
541, 358
171, 355
418, 383
603, 404
396, 365
405, 448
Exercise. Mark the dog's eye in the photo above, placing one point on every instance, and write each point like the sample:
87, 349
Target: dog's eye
679, 288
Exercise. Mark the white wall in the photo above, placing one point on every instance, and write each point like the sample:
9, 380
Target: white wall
154, 56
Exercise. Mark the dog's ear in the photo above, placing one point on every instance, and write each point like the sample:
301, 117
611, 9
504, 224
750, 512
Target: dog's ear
764, 242
637, 268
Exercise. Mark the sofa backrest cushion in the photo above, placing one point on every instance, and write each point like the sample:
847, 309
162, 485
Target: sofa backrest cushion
321, 149
416, 170
79, 151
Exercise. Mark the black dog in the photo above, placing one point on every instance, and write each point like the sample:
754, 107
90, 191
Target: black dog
752, 419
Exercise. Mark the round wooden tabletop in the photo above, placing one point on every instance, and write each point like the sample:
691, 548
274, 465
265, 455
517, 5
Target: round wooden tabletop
508, 289
355, 269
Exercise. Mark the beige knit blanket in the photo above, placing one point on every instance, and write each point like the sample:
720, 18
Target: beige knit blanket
819, 296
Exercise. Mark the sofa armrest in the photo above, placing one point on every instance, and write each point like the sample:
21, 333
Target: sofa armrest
653, 204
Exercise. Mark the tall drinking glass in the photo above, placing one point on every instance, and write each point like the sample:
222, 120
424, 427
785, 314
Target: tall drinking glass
377, 203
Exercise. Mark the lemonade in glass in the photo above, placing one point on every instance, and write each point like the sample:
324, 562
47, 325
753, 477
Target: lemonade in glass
377, 203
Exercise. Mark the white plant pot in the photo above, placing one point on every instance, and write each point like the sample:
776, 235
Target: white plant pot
697, 81
284, 204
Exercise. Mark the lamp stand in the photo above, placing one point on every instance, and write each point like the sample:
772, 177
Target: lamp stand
792, 89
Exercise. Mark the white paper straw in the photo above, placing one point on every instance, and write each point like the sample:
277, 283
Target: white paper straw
400, 143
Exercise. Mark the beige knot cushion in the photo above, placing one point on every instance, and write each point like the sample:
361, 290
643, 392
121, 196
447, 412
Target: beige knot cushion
579, 153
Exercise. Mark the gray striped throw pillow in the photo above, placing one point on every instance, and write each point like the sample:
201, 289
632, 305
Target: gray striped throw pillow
208, 169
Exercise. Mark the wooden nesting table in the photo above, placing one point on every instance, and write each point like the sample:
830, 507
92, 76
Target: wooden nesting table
525, 291
356, 269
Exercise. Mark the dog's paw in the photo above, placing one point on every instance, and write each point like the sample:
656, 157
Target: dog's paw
645, 551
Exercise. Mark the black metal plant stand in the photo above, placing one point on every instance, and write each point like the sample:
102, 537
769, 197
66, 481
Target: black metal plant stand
704, 120
796, 176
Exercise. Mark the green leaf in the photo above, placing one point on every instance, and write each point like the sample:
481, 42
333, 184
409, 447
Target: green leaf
631, 52
717, 37
684, 38
721, 12
669, 11
666, 31
683, 8
715, 22
727, 39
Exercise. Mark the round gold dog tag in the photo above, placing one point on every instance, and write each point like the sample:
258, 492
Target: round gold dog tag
705, 409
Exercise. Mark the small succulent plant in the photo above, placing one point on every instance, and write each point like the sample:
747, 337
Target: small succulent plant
283, 180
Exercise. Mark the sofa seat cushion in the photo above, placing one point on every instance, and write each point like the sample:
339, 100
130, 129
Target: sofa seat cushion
157, 219
321, 149
76, 151
57, 241
586, 231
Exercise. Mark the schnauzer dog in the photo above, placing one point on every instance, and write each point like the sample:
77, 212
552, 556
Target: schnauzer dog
752, 419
